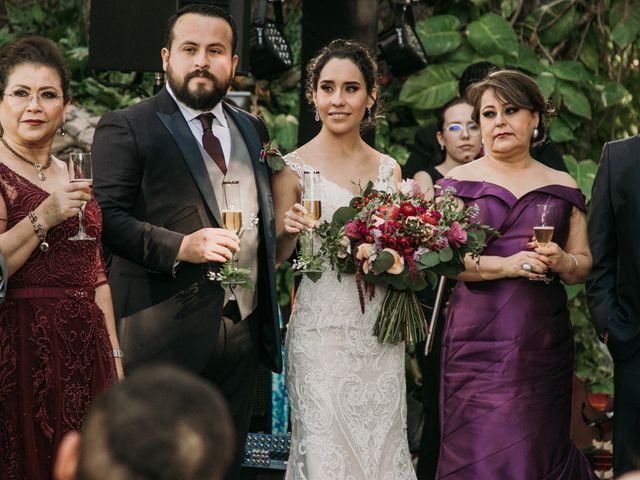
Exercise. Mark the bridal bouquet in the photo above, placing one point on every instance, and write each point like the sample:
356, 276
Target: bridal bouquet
405, 240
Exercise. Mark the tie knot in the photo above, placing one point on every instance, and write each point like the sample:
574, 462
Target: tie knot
207, 120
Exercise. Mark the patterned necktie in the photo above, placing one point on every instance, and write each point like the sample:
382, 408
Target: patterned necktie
211, 143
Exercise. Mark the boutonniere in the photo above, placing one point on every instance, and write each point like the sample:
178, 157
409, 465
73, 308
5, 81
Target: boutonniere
272, 157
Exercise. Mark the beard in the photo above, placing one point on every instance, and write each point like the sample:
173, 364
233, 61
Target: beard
201, 98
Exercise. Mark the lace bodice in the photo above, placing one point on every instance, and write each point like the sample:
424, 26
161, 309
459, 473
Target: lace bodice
329, 302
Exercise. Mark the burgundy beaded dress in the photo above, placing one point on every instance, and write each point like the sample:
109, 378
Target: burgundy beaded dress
55, 353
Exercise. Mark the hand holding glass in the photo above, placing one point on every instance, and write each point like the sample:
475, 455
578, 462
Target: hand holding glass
80, 171
543, 230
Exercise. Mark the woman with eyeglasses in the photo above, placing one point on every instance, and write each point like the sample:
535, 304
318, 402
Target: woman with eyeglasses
459, 138
507, 344
460, 142
57, 333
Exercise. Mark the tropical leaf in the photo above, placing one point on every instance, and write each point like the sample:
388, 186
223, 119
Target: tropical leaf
614, 94
570, 70
575, 101
626, 31
439, 34
491, 33
528, 60
432, 88
560, 131
560, 29
547, 83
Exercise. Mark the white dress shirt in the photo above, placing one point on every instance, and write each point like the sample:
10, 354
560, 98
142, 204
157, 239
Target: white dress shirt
220, 127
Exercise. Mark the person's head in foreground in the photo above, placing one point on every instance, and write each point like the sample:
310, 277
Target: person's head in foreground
159, 423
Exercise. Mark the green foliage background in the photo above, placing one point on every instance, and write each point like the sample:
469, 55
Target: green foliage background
583, 53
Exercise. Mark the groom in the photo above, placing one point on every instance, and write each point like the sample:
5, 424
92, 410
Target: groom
159, 168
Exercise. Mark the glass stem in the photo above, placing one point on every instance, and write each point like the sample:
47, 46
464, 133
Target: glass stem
80, 219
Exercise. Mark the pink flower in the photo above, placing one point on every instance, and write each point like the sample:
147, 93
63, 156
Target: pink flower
352, 230
410, 188
456, 235
398, 262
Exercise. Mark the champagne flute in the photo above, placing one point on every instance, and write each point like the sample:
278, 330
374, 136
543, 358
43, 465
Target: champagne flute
80, 171
312, 202
543, 230
231, 218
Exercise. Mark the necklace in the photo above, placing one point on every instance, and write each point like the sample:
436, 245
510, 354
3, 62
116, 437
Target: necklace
38, 166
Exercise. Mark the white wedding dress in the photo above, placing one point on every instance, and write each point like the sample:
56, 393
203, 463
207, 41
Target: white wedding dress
347, 391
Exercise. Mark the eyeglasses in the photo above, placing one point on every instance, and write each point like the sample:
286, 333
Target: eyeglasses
471, 128
22, 97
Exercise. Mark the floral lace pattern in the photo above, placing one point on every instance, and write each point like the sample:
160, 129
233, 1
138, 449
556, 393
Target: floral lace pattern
347, 391
55, 353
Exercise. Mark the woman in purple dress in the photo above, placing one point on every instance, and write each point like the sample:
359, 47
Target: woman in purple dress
507, 354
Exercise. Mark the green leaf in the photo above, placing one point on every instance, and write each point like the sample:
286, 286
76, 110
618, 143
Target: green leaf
570, 70
493, 34
399, 153
575, 101
382, 263
507, 7
583, 173
285, 133
429, 259
446, 254
614, 94
431, 88
560, 29
343, 214
625, 32
37, 13
573, 290
547, 83
439, 34
560, 131
589, 54
528, 60
572, 165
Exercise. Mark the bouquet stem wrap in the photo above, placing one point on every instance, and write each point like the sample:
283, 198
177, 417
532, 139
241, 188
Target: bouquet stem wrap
401, 318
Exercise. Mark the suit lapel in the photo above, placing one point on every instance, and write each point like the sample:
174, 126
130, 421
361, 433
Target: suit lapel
188, 146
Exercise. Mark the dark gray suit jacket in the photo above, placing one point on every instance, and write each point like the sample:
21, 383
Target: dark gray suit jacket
613, 288
153, 188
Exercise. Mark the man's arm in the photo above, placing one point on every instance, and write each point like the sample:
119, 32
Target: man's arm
601, 285
118, 171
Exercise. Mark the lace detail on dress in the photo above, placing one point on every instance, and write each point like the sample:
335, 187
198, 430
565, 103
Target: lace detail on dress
54, 346
347, 390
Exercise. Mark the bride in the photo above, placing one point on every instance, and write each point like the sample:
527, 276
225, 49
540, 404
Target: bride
347, 390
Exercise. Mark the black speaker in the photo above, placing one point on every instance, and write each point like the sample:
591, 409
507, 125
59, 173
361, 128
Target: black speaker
128, 35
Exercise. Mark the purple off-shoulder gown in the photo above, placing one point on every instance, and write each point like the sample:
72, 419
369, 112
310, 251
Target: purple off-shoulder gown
507, 355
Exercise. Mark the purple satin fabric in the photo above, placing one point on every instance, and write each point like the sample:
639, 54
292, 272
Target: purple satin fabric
507, 355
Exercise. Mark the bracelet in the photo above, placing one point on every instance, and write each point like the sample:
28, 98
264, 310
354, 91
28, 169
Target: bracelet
40, 231
117, 353
575, 260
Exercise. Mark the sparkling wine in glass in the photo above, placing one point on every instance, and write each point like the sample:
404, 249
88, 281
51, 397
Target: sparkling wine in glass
543, 229
80, 171
232, 209
312, 202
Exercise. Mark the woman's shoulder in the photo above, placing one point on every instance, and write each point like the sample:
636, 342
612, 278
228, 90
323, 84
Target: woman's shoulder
471, 171
558, 177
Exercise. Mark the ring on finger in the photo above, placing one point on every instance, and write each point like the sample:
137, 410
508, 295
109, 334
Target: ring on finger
526, 267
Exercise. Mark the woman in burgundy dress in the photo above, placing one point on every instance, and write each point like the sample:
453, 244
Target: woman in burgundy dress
57, 334
507, 349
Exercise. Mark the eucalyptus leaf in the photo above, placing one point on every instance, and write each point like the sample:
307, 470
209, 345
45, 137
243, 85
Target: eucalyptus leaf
446, 254
343, 214
491, 33
432, 88
429, 259
575, 101
383, 262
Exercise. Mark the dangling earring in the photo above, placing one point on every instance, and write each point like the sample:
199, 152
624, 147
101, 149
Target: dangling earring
368, 112
535, 133
317, 117
62, 132
442, 146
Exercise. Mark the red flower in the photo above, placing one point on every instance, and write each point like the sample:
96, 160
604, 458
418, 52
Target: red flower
425, 217
408, 209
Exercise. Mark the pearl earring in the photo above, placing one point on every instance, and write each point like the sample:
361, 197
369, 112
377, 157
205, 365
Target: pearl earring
535, 133
442, 146
317, 116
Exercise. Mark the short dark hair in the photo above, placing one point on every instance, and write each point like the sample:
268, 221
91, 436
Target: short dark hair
206, 10
517, 89
160, 423
474, 73
360, 56
34, 50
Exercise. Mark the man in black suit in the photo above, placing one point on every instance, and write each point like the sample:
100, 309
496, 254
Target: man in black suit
614, 285
159, 168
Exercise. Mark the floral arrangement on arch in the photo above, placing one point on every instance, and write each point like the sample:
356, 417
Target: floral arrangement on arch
403, 239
